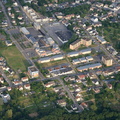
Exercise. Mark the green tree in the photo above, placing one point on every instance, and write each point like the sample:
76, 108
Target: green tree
9, 113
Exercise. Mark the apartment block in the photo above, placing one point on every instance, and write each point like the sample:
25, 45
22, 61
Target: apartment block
107, 60
33, 71
84, 41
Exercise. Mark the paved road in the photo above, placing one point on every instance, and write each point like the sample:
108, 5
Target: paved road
27, 20
4, 10
6, 78
16, 43
70, 95
23, 53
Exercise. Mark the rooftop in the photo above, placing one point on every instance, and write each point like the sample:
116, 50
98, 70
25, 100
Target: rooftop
32, 68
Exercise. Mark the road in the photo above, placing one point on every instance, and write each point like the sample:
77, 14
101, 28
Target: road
6, 78
100, 45
16, 43
70, 95
27, 20
4, 10
30, 61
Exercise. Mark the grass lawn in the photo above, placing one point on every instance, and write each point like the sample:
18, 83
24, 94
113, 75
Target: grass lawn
14, 58
53, 63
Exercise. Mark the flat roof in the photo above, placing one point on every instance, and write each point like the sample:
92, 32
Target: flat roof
44, 58
64, 35
72, 53
33, 68
75, 42
57, 56
89, 66
107, 57
85, 50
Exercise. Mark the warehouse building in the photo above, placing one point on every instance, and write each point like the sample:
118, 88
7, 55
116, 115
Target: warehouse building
24, 31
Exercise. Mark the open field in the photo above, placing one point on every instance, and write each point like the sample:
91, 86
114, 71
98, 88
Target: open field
14, 58
53, 63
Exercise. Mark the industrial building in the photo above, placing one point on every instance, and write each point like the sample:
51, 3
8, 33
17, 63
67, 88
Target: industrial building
107, 60
24, 31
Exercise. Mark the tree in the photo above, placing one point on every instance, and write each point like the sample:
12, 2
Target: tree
9, 113
94, 107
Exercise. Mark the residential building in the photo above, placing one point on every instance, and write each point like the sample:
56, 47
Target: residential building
107, 60
24, 79
49, 84
33, 71
61, 102
84, 41
27, 86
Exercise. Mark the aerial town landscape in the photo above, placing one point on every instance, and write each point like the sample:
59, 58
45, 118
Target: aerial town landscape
59, 59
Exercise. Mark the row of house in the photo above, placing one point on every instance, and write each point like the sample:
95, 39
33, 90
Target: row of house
81, 52
60, 70
4, 66
82, 60
52, 58
34, 16
90, 66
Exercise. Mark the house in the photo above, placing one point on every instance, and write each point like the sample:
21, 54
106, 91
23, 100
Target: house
8, 42
96, 82
24, 79
57, 89
1, 80
98, 72
108, 72
33, 71
78, 98
72, 78
9, 88
109, 86
61, 102
74, 107
27, 86
77, 89
96, 90
117, 69
20, 87
84, 105
5, 97
91, 75
17, 82
82, 76
49, 84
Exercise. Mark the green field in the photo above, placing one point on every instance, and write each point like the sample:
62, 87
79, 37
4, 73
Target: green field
14, 58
